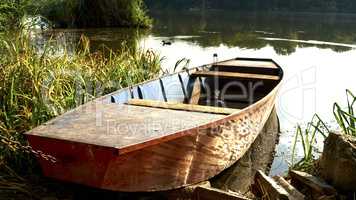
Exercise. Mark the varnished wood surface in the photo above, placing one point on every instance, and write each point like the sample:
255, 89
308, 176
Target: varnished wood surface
168, 149
181, 106
120, 126
248, 63
185, 160
236, 75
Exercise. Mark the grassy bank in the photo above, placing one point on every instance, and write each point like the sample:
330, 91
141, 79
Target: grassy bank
36, 84
35, 87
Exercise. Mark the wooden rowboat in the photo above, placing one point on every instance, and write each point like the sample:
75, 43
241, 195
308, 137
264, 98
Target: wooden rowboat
165, 133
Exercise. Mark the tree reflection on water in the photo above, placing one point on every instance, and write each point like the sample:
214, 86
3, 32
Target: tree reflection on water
214, 28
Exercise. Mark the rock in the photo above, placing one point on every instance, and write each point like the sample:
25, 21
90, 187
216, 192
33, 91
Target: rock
338, 161
313, 184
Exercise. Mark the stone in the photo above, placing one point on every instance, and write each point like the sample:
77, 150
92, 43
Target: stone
314, 184
338, 161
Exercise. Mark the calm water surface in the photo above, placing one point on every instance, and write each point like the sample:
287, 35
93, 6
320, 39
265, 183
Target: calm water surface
316, 51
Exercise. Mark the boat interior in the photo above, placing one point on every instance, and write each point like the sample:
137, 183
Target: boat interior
221, 88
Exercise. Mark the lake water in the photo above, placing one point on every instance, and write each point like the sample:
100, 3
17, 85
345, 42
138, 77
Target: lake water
317, 53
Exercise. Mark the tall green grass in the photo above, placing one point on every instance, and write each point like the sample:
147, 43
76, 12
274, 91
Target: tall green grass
346, 120
307, 140
37, 87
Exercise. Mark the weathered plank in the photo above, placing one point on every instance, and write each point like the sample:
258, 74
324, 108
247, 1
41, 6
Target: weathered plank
338, 161
184, 193
235, 75
312, 182
181, 106
209, 193
121, 126
267, 187
294, 193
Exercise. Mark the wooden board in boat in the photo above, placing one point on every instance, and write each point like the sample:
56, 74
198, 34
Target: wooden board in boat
236, 75
248, 63
120, 125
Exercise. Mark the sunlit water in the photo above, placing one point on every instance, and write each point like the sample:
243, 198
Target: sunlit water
317, 53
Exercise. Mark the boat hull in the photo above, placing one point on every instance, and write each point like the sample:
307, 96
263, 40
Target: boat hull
197, 155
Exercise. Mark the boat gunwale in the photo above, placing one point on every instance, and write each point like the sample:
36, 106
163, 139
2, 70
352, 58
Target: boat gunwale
171, 136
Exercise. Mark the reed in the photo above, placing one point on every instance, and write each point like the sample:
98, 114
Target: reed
346, 117
307, 139
37, 87
346, 120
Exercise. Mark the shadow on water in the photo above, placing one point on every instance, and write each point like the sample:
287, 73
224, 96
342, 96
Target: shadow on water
111, 38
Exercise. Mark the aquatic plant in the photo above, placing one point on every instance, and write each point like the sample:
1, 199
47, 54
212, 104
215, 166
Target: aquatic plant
35, 87
346, 121
346, 117
307, 138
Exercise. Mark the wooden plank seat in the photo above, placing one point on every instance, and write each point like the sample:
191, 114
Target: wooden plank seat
121, 126
247, 66
181, 106
235, 75
248, 63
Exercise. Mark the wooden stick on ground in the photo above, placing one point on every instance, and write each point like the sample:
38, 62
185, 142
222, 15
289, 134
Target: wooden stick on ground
268, 188
209, 193
295, 194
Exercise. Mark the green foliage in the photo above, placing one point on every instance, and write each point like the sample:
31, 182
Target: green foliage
307, 138
138, 13
346, 120
346, 117
61, 12
69, 13
12, 12
37, 87
112, 13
